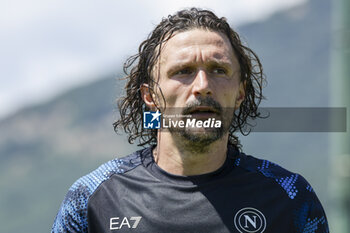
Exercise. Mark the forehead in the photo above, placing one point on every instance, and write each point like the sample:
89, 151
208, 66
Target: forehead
197, 42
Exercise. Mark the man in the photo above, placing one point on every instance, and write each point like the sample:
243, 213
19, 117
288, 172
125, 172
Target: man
193, 178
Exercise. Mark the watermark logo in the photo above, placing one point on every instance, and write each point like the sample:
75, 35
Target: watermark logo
250, 220
157, 120
151, 120
280, 119
191, 123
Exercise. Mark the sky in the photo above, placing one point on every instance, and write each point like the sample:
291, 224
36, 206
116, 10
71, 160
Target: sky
49, 46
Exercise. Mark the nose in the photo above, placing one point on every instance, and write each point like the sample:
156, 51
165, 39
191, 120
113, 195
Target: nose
201, 86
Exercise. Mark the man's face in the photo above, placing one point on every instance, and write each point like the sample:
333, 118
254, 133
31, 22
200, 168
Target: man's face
198, 73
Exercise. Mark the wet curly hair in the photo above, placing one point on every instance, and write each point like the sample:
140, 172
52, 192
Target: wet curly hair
132, 106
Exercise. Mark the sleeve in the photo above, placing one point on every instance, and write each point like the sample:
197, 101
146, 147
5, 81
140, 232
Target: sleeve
72, 216
310, 215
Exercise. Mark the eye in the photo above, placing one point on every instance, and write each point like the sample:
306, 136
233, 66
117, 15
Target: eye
219, 70
184, 71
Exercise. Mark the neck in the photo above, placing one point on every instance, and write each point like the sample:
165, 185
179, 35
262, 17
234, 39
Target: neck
175, 157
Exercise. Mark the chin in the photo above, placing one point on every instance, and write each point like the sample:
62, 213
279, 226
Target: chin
203, 136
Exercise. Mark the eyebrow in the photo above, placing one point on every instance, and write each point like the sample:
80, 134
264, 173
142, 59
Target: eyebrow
210, 63
220, 63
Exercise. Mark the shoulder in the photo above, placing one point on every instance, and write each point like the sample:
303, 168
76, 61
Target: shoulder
307, 211
72, 216
291, 183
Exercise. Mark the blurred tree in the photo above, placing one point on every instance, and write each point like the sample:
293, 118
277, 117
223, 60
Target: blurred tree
340, 147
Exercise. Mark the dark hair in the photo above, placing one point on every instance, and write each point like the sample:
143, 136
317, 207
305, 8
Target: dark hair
131, 106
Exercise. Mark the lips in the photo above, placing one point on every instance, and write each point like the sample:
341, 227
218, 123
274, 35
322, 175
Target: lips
203, 107
203, 111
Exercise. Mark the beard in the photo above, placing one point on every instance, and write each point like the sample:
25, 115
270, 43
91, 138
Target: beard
198, 140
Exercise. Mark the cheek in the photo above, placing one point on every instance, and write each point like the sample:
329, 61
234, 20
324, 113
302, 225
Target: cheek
229, 92
172, 91
170, 100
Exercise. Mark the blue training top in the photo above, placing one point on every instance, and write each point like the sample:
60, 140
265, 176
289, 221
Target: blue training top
133, 194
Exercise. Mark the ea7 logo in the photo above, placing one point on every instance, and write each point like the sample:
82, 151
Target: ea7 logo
117, 223
250, 220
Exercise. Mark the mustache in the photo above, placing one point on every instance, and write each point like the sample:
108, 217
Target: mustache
207, 102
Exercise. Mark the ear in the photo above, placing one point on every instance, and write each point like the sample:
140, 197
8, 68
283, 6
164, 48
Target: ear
241, 94
147, 96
